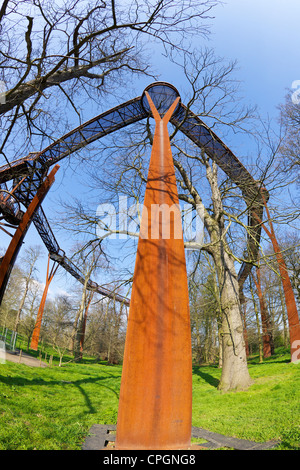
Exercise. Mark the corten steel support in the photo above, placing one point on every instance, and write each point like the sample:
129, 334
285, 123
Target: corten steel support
155, 403
37, 328
291, 307
17, 240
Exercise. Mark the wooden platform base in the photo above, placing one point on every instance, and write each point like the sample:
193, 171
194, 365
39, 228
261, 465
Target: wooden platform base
102, 437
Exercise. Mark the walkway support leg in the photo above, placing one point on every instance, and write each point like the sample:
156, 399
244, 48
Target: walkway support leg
155, 405
36, 332
17, 240
291, 307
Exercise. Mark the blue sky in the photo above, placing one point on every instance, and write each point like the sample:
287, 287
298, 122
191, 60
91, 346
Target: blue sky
264, 37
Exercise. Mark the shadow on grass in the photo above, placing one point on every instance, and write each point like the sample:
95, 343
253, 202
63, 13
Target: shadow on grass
17, 381
210, 379
281, 356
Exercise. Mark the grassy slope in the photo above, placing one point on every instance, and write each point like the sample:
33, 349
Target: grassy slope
269, 409
54, 408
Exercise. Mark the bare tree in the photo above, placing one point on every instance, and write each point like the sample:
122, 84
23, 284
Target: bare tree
33, 302
58, 324
11, 299
234, 362
55, 54
290, 120
258, 323
267, 330
90, 260
28, 263
204, 312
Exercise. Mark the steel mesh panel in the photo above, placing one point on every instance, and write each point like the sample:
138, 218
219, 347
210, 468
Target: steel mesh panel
43, 227
192, 126
92, 130
70, 267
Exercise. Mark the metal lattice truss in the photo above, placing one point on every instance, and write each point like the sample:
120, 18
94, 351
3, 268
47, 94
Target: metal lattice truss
34, 167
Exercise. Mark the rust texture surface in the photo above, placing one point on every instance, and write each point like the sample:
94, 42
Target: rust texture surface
156, 389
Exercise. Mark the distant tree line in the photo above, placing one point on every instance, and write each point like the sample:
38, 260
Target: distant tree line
105, 320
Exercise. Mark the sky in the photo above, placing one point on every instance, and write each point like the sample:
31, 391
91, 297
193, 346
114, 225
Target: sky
263, 36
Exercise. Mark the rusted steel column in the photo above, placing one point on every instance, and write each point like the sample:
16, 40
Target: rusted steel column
291, 307
37, 328
17, 240
155, 405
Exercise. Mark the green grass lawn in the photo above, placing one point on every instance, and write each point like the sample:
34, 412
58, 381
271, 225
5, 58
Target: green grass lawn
54, 408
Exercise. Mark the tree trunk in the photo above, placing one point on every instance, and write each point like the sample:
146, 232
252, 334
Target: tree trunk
73, 335
89, 300
18, 317
220, 365
235, 374
245, 328
27, 282
80, 325
268, 344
